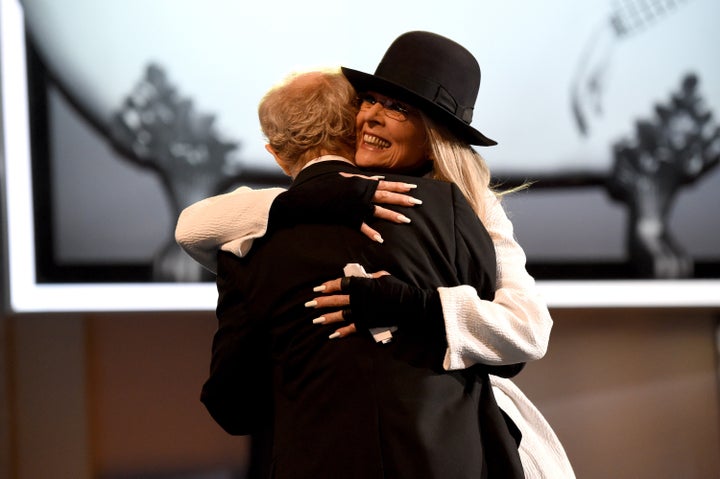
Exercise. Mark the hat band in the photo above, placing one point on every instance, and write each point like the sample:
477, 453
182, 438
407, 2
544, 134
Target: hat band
423, 87
444, 99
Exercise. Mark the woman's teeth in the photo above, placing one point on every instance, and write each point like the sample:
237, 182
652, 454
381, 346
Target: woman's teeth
375, 141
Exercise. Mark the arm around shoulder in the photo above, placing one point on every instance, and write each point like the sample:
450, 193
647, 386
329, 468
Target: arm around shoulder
515, 326
230, 221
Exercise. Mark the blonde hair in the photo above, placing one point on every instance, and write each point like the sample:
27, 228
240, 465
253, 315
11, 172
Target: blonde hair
309, 114
457, 162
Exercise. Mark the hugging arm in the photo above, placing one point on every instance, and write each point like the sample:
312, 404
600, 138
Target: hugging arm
512, 328
232, 221
340, 198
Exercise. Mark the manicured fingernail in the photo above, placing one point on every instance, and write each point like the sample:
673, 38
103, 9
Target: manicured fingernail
415, 201
410, 185
318, 289
334, 335
403, 219
378, 238
319, 320
311, 304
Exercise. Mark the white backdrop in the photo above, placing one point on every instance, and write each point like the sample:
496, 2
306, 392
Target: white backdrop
534, 57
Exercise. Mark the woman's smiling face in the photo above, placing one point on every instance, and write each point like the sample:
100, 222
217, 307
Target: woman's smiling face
390, 135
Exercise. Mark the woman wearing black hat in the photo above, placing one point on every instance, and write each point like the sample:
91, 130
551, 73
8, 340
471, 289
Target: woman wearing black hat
425, 79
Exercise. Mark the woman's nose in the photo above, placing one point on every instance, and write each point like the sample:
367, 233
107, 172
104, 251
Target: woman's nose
375, 113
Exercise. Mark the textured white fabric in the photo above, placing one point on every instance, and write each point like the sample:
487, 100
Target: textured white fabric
541, 453
515, 326
229, 222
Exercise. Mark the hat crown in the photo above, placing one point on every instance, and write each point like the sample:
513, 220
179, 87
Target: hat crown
435, 68
432, 73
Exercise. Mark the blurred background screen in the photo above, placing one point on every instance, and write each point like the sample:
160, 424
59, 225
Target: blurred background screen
118, 114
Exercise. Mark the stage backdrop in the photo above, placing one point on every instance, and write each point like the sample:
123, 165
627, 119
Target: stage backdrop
118, 114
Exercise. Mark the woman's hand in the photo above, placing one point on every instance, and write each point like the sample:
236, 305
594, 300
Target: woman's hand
380, 300
340, 301
344, 199
389, 193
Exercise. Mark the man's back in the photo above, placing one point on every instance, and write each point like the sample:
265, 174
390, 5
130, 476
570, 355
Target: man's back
351, 407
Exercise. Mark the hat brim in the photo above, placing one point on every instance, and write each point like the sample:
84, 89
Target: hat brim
363, 82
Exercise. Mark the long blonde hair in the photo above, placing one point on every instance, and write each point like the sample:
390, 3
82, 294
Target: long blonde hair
457, 162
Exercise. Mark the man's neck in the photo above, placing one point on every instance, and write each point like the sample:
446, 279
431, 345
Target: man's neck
322, 158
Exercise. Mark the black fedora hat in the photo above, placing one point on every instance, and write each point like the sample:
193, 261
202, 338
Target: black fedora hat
433, 73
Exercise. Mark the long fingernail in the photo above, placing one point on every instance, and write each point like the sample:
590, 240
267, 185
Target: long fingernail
378, 238
319, 320
318, 289
415, 201
410, 185
403, 219
311, 304
334, 335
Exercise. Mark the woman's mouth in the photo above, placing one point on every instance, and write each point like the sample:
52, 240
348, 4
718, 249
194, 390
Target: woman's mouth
375, 141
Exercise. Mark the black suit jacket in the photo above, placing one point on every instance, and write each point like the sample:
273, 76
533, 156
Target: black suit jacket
352, 408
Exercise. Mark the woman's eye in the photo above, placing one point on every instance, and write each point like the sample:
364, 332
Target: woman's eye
369, 99
399, 108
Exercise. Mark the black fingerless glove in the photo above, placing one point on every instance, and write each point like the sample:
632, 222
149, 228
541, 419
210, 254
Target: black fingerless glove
325, 199
388, 301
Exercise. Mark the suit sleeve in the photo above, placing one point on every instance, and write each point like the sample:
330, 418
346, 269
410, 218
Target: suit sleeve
237, 392
475, 261
230, 222
512, 328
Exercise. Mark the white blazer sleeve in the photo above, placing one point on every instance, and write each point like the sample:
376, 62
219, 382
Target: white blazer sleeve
229, 222
515, 326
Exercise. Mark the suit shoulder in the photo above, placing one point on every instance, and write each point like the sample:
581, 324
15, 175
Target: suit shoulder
421, 181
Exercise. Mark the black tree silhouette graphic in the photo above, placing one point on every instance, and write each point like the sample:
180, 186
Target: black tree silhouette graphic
672, 150
162, 131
